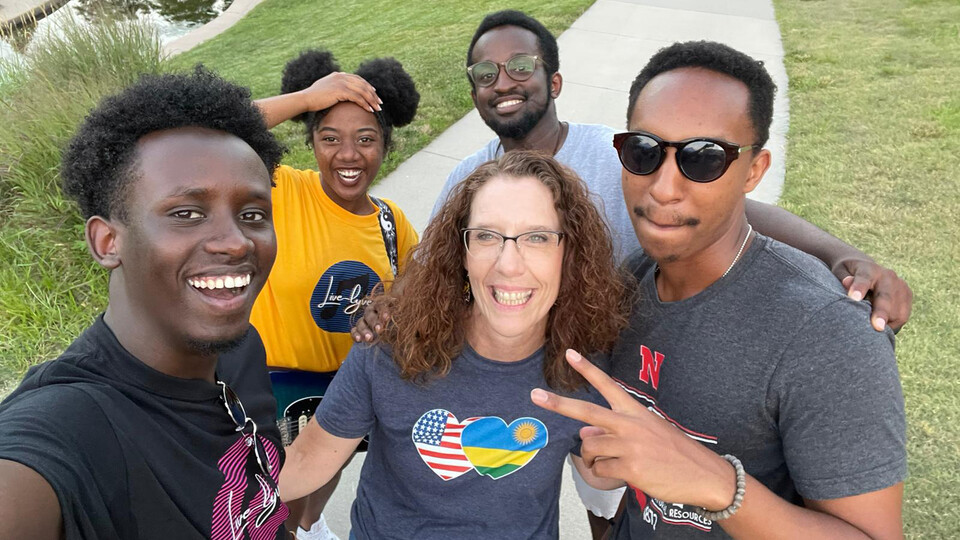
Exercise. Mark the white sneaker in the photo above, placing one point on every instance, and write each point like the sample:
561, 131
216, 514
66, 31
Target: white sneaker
318, 531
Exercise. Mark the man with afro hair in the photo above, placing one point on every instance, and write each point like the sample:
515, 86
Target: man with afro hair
158, 421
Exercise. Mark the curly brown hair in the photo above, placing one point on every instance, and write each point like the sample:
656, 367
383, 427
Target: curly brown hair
427, 331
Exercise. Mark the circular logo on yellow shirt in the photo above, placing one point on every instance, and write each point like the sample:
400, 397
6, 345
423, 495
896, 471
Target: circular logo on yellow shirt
341, 294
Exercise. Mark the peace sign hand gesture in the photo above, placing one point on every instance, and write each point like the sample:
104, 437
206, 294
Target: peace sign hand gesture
630, 443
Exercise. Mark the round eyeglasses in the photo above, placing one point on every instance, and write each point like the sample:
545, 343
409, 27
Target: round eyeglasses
487, 245
518, 68
700, 159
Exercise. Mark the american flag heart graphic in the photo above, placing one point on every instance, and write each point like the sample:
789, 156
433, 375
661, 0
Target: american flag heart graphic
437, 438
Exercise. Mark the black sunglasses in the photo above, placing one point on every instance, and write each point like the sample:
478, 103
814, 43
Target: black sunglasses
700, 159
239, 416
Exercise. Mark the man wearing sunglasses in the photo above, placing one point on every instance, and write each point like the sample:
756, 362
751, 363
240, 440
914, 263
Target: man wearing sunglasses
512, 64
158, 421
748, 396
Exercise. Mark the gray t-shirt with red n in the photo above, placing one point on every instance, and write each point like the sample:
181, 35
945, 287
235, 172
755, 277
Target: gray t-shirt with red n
774, 365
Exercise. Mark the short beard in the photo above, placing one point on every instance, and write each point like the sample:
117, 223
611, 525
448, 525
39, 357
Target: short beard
521, 127
211, 348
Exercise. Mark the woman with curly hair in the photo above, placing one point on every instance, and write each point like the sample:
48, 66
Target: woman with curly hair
514, 269
336, 243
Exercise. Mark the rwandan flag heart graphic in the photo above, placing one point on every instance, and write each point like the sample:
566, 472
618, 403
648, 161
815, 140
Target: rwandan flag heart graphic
496, 449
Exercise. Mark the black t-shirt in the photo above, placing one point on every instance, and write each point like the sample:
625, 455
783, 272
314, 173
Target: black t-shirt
134, 453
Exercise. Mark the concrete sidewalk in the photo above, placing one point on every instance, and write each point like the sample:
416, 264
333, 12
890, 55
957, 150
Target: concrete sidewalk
600, 54
14, 13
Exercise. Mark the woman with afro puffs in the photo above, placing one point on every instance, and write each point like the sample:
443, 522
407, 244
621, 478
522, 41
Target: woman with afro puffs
336, 243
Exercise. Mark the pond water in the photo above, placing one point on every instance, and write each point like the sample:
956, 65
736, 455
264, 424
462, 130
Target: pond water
173, 18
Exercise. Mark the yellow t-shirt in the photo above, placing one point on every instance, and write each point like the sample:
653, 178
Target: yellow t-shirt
328, 260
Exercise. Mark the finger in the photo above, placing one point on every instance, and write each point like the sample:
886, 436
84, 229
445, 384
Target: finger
588, 413
608, 388
363, 332
861, 285
592, 431
613, 467
882, 306
600, 448
905, 307
371, 322
364, 94
892, 301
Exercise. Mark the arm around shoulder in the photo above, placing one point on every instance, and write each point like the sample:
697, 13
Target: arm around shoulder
859, 273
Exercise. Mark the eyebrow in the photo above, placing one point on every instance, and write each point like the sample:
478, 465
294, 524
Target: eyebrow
205, 194
532, 228
190, 193
335, 130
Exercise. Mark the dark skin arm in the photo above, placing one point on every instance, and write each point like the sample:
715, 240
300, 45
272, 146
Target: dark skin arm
858, 272
630, 443
28, 506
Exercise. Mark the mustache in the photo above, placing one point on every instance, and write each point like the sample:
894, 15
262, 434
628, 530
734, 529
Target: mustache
675, 220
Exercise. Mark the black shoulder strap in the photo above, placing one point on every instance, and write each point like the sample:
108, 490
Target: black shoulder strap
388, 228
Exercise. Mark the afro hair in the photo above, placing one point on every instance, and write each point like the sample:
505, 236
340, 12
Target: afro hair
394, 87
509, 17
721, 59
96, 167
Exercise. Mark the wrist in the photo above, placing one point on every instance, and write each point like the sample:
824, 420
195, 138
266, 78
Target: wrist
740, 483
304, 101
723, 487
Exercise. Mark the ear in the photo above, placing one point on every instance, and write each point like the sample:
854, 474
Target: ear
556, 84
102, 241
758, 167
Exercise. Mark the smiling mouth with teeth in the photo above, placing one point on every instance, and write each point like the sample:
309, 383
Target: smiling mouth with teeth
220, 285
509, 103
515, 298
349, 175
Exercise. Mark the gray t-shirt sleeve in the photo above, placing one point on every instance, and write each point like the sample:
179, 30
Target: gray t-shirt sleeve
841, 413
455, 176
347, 407
463, 169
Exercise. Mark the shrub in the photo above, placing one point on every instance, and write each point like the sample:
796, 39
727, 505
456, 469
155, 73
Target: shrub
49, 286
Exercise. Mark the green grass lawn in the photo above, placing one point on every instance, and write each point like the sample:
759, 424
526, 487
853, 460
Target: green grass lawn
430, 40
874, 157
49, 287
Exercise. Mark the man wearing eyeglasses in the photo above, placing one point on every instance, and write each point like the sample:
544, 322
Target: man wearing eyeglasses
748, 396
158, 421
512, 65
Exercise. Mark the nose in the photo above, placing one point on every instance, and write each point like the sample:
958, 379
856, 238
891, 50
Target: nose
228, 238
348, 150
504, 82
667, 182
510, 262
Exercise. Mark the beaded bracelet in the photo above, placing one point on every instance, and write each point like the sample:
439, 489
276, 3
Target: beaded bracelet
737, 497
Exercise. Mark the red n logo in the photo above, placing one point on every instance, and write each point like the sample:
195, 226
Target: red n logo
651, 361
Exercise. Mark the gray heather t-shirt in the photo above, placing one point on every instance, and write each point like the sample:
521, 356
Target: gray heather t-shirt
588, 150
467, 455
774, 365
